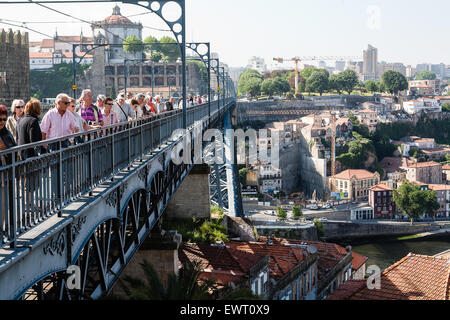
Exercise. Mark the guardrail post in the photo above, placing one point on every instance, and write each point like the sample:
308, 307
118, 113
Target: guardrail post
91, 167
129, 145
60, 179
13, 221
112, 155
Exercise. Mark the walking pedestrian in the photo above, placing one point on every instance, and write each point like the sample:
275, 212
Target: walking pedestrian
109, 116
158, 106
150, 106
6, 181
29, 129
81, 123
137, 108
100, 101
88, 111
6, 138
17, 107
170, 104
123, 110
57, 122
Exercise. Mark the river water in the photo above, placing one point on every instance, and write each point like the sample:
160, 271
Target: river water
386, 253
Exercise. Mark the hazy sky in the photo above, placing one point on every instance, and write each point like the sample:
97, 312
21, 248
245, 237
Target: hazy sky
408, 31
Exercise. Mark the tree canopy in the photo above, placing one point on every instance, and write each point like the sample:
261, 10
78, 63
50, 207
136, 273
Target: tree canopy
415, 202
349, 80
250, 82
317, 82
394, 81
133, 45
426, 75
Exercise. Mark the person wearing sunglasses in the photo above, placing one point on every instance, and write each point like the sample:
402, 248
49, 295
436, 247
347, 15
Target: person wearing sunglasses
6, 138
58, 122
109, 116
17, 110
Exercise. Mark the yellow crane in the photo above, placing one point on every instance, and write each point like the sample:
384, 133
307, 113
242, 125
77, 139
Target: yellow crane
296, 60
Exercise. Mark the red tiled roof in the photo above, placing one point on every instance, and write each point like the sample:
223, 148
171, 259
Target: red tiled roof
381, 187
282, 258
342, 121
446, 167
424, 140
117, 19
358, 173
437, 150
358, 260
439, 187
224, 263
35, 55
415, 277
424, 164
330, 254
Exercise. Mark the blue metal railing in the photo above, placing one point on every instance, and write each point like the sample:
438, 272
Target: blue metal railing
34, 189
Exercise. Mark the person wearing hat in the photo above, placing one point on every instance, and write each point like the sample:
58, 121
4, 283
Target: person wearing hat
100, 100
123, 110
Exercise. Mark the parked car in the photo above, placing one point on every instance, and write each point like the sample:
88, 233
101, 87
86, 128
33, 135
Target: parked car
323, 219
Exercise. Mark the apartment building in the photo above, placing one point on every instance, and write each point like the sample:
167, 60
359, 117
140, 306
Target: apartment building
425, 172
356, 183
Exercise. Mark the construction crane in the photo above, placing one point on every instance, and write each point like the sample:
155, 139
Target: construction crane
311, 58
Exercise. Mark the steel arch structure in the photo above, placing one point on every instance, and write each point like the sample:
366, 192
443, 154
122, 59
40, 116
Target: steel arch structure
101, 237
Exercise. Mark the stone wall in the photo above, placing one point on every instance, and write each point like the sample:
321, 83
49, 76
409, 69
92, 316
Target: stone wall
341, 230
14, 67
240, 228
192, 198
303, 233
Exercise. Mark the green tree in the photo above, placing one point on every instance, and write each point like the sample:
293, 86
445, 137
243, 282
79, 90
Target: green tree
281, 214
371, 86
156, 57
267, 87
184, 286
243, 176
335, 83
152, 44
317, 82
394, 81
133, 45
319, 227
446, 107
415, 202
297, 212
281, 85
307, 72
49, 83
169, 48
250, 82
349, 80
426, 75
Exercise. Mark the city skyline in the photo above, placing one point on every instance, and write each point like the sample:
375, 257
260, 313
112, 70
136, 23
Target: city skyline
343, 28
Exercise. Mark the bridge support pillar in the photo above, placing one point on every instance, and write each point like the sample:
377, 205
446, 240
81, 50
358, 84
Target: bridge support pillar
192, 198
160, 249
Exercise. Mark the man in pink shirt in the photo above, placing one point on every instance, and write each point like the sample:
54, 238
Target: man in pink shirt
57, 122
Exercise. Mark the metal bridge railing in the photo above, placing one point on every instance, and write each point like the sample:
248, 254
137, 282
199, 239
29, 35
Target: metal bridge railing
34, 189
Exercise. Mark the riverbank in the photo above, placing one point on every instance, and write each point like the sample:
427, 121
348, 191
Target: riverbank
387, 251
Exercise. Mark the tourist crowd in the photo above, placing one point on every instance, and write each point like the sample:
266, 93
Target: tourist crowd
70, 116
